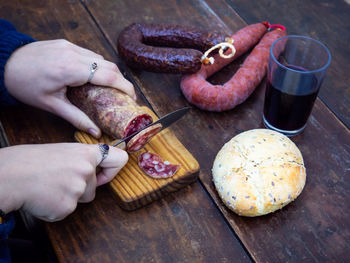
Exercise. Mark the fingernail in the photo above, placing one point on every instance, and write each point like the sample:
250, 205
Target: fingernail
94, 133
135, 97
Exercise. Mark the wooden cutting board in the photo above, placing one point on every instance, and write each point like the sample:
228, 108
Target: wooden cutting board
132, 187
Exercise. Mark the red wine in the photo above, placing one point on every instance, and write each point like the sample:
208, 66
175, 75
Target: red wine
290, 111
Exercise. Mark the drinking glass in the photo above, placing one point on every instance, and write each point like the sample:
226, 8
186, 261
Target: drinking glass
296, 69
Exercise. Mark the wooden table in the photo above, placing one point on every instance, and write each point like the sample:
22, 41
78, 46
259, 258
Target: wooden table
193, 225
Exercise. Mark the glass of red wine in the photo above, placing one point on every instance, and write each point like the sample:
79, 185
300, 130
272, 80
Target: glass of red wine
296, 70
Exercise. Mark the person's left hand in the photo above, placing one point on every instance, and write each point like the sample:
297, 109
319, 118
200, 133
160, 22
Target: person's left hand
39, 73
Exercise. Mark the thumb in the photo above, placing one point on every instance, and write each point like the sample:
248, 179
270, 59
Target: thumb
111, 165
75, 116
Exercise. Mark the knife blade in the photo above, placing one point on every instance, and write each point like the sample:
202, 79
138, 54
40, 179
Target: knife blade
165, 121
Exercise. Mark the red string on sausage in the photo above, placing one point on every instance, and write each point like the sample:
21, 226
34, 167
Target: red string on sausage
267, 24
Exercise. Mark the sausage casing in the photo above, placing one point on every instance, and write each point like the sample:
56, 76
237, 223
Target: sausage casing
198, 91
165, 48
113, 111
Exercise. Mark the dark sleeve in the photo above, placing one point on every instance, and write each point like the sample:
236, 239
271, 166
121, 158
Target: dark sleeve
10, 40
5, 230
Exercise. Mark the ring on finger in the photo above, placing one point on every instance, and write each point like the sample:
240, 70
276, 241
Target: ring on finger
92, 71
104, 149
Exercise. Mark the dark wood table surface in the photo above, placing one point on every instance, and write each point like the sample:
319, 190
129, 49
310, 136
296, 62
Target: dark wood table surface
192, 224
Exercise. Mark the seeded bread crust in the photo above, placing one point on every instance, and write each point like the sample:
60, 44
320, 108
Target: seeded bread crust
258, 172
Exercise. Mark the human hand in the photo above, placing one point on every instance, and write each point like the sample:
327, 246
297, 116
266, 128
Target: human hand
48, 180
38, 74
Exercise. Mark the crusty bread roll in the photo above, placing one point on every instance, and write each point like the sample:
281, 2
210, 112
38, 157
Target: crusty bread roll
258, 172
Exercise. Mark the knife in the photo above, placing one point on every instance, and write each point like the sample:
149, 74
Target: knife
165, 121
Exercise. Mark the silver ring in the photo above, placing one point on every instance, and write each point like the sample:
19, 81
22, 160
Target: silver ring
92, 72
104, 149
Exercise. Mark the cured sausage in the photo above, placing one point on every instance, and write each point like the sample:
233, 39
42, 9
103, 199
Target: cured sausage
198, 91
165, 48
113, 111
154, 166
139, 140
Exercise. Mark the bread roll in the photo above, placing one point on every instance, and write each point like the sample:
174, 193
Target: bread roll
258, 172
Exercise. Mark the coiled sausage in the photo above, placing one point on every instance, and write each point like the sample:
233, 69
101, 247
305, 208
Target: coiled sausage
198, 91
165, 48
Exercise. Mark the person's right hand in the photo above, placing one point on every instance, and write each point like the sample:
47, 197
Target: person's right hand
48, 180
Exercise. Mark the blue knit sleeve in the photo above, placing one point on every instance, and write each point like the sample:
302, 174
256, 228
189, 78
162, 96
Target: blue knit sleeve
5, 230
10, 40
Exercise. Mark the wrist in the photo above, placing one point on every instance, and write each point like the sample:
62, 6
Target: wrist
9, 202
10, 41
10, 199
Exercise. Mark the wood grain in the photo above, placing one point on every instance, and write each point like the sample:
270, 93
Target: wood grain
313, 228
191, 228
183, 227
132, 187
327, 21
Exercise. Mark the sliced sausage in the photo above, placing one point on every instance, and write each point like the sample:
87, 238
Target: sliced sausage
154, 166
139, 140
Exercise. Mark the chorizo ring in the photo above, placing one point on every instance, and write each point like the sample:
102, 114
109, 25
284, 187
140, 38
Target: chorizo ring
165, 48
198, 91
